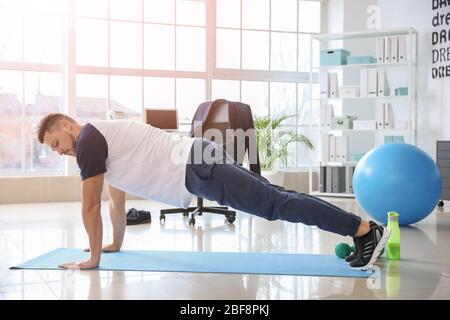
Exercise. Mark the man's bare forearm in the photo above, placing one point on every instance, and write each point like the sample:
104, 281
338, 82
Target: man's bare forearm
92, 220
119, 223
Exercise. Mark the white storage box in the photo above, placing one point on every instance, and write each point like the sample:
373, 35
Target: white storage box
349, 91
364, 125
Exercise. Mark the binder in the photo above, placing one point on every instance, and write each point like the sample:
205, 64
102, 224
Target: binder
323, 116
341, 179
349, 179
326, 113
329, 116
332, 148
324, 84
372, 83
388, 116
394, 49
333, 85
387, 50
363, 82
328, 179
379, 116
325, 147
402, 49
383, 89
380, 50
341, 148
338, 180
337, 151
322, 180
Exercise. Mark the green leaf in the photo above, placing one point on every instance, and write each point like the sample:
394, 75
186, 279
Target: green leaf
273, 144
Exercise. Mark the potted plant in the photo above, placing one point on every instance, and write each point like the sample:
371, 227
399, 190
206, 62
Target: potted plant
272, 143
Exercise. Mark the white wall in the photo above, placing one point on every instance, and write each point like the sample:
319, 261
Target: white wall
433, 95
44, 189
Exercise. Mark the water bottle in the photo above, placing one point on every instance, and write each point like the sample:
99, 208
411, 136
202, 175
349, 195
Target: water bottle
393, 244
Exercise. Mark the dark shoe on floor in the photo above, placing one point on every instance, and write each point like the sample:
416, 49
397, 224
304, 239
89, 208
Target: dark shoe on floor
369, 246
135, 216
352, 256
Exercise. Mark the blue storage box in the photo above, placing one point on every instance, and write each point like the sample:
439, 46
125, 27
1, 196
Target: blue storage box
333, 57
402, 91
361, 60
393, 139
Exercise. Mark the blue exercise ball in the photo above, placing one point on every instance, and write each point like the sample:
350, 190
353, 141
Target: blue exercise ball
397, 177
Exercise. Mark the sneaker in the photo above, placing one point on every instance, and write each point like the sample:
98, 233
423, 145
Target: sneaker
135, 216
369, 246
352, 256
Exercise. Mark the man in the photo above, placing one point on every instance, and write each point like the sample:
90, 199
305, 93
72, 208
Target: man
139, 159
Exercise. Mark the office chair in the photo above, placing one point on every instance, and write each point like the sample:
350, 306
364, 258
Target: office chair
217, 119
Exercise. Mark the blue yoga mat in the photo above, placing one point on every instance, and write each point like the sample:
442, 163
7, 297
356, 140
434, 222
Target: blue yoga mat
210, 262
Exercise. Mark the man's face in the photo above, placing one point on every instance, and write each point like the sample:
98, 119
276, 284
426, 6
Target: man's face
61, 140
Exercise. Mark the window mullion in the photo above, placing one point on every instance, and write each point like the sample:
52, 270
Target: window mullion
270, 34
240, 39
22, 109
69, 75
175, 48
296, 86
210, 45
143, 116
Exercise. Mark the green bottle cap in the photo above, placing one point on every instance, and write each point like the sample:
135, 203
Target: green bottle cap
393, 216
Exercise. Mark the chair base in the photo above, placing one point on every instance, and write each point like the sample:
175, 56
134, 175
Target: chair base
230, 215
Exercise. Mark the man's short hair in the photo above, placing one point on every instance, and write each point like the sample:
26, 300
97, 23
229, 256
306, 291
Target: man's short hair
49, 123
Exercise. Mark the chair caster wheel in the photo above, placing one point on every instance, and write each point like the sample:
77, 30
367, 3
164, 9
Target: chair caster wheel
162, 219
231, 219
441, 204
191, 221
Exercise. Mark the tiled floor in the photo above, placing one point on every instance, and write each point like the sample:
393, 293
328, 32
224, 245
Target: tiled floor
29, 230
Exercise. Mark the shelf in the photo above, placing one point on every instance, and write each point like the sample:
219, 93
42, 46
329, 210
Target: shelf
406, 69
369, 98
366, 98
362, 130
364, 34
367, 65
336, 163
328, 194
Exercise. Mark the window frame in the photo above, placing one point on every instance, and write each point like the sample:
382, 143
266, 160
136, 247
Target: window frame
269, 76
23, 67
69, 69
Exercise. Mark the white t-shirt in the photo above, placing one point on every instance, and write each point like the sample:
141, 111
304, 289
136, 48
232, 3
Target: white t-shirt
144, 160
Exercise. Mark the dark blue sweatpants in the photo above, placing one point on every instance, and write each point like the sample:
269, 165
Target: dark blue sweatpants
230, 184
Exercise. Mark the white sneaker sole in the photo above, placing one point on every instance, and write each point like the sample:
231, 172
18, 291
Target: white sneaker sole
380, 246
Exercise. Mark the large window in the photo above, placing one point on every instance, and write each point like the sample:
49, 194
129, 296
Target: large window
84, 57
270, 49
31, 82
140, 54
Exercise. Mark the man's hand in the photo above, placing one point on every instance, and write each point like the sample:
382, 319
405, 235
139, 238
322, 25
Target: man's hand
107, 248
83, 265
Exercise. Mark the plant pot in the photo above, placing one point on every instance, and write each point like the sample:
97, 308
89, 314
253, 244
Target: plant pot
274, 176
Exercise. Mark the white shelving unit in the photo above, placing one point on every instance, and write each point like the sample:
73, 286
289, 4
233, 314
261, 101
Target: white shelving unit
376, 136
